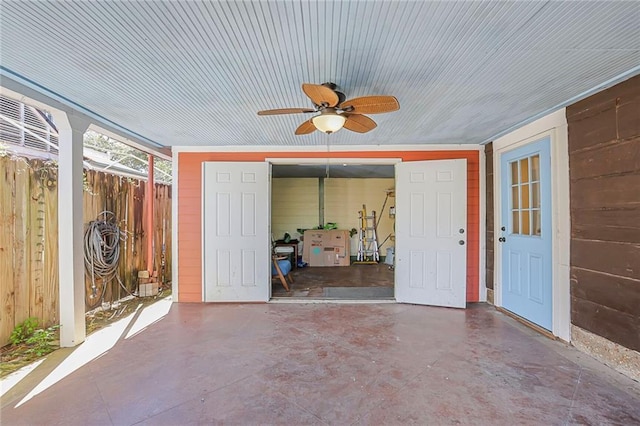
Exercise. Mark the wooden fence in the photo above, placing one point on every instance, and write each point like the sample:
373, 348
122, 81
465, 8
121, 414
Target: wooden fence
29, 236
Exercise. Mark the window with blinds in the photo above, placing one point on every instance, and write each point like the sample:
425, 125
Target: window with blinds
23, 125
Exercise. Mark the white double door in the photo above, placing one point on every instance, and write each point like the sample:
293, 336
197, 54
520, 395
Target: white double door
430, 232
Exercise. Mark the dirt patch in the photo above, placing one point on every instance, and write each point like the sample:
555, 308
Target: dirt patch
14, 357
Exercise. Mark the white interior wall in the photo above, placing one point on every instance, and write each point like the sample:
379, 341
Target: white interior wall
295, 204
343, 200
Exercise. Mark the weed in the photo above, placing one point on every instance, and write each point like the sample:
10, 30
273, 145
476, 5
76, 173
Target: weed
40, 342
23, 331
37, 340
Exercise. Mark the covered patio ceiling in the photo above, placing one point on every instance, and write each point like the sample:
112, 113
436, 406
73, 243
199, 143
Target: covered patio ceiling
195, 73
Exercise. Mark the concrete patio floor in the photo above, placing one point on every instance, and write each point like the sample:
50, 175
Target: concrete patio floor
331, 364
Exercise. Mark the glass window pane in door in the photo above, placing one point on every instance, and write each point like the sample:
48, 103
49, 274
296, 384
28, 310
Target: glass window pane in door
514, 198
535, 195
536, 225
524, 170
535, 168
515, 224
514, 173
524, 198
526, 229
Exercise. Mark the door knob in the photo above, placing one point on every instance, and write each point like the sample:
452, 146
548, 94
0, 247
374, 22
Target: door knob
502, 239
461, 242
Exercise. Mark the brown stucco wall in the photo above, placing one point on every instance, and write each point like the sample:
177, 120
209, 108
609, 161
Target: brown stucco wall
604, 161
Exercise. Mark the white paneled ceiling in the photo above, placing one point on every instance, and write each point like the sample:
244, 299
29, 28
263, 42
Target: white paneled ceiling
196, 72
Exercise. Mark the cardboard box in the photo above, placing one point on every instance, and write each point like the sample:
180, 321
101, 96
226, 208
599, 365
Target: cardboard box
149, 289
313, 243
343, 256
339, 238
326, 248
330, 256
316, 255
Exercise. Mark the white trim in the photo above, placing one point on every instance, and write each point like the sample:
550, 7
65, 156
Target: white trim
560, 192
555, 127
203, 251
270, 231
531, 131
323, 148
482, 276
303, 161
174, 227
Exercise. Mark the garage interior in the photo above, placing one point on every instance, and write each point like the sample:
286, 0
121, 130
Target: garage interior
334, 203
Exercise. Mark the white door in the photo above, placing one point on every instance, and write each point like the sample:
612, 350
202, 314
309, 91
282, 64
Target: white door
236, 255
431, 238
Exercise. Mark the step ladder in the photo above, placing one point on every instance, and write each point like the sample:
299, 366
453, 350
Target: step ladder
368, 252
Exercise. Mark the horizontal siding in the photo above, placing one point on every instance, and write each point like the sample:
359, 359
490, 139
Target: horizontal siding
604, 164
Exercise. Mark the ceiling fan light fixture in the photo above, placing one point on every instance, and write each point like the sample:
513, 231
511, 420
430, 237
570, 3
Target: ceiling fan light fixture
336, 112
329, 121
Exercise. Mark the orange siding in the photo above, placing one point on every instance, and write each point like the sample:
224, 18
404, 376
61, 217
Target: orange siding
190, 207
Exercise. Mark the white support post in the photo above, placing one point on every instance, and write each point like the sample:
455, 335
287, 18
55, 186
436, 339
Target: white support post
70, 227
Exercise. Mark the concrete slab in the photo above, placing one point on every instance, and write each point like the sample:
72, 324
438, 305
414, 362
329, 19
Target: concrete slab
332, 364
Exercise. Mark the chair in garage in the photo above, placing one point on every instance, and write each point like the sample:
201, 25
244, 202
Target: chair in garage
281, 268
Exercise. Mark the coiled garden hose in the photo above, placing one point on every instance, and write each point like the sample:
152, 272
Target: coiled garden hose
101, 256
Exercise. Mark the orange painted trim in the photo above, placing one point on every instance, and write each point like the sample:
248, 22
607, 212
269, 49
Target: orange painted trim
149, 198
190, 207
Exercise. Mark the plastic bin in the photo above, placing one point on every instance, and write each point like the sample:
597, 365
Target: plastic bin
390, 253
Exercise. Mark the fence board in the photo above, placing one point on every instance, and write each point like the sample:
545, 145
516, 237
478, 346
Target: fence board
51, 303
35, 240
21, 240
29, 236
7, 321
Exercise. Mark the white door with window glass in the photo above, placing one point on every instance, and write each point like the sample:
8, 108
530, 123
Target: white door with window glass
431, 236
236, 257
525, 232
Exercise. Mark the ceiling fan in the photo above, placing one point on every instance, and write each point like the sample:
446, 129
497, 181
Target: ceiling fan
336, 112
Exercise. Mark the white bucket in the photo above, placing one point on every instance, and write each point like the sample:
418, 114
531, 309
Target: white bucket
389, 259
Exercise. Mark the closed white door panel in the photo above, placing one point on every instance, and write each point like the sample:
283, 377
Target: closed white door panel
431, 216
236, 257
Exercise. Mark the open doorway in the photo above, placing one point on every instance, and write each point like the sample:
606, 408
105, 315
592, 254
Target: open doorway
336, 224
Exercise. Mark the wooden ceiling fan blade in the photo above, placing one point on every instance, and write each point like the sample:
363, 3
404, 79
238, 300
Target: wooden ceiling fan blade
285, 111
359, 123
371, 104
306, 128
320, 95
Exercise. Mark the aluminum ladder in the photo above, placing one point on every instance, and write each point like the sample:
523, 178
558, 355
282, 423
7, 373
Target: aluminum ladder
368, 252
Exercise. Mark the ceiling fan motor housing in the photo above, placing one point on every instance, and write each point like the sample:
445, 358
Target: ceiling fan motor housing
333, 86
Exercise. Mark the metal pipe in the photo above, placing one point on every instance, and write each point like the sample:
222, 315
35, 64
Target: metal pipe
321, 201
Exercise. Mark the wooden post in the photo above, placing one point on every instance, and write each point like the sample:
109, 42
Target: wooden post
149, 225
